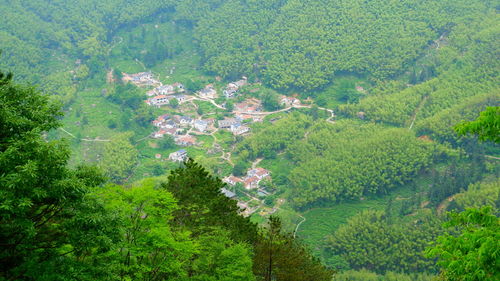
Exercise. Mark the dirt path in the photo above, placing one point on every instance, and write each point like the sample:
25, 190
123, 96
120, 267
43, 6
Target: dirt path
445, 204
419, 107
298, 225
84, 139
256, 162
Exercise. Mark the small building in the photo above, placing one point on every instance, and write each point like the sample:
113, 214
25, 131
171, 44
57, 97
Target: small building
185, 140
159, 100
178, 156
201, 125
232, 180
208, 92
159, 134
180, 98
165, 90
238, 129
158, 156
178, 87
289, 101
185, 120
160, 120
229, 194
251, 183
226, 123
260, 173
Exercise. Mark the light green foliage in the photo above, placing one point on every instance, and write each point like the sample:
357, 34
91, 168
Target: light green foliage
369, 240
119, 158
150, 250
487, 126
222, 259
356, 160
440, 126
468, 66
272, 139
473, 254
486, 193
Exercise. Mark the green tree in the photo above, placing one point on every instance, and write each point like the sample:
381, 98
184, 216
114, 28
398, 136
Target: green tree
203, 206
167, 142
119, 157
487, 126
174, 103
474, 254
279, 256
49, 222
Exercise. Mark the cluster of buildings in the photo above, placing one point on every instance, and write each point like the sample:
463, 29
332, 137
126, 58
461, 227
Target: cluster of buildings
234, 125
232, 88
289, 101
251, 180
176, 125
175, 88
141, 79
208, 92
163, 94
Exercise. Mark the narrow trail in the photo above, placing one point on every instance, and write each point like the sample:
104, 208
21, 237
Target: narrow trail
84, 139
256, 162
419, 107
298, 225
443, 205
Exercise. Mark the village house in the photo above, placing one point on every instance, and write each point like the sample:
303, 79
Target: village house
251, 183
160, 120
172, 131
158, 156
229, 194
249, 105
185, 140
226, 123
180, 98
238, 129
159, 134
178, 156
200, 125
185, 121
232, 180
169, 124
208, 92
141, 79
178, 87
159, 100
260, 173
289, 101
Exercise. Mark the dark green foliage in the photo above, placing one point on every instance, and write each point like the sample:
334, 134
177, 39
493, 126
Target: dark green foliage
279, 256
48, 217
240, 168
301, 44
203, 206
167, 142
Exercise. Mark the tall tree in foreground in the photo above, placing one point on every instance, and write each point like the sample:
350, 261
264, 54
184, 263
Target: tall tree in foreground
47, 218
279, 256
487, 126
474, 254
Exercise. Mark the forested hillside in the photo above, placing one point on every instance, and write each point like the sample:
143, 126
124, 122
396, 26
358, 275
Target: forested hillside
249, 140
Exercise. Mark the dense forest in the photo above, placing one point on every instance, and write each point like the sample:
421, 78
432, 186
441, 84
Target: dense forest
376, 121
